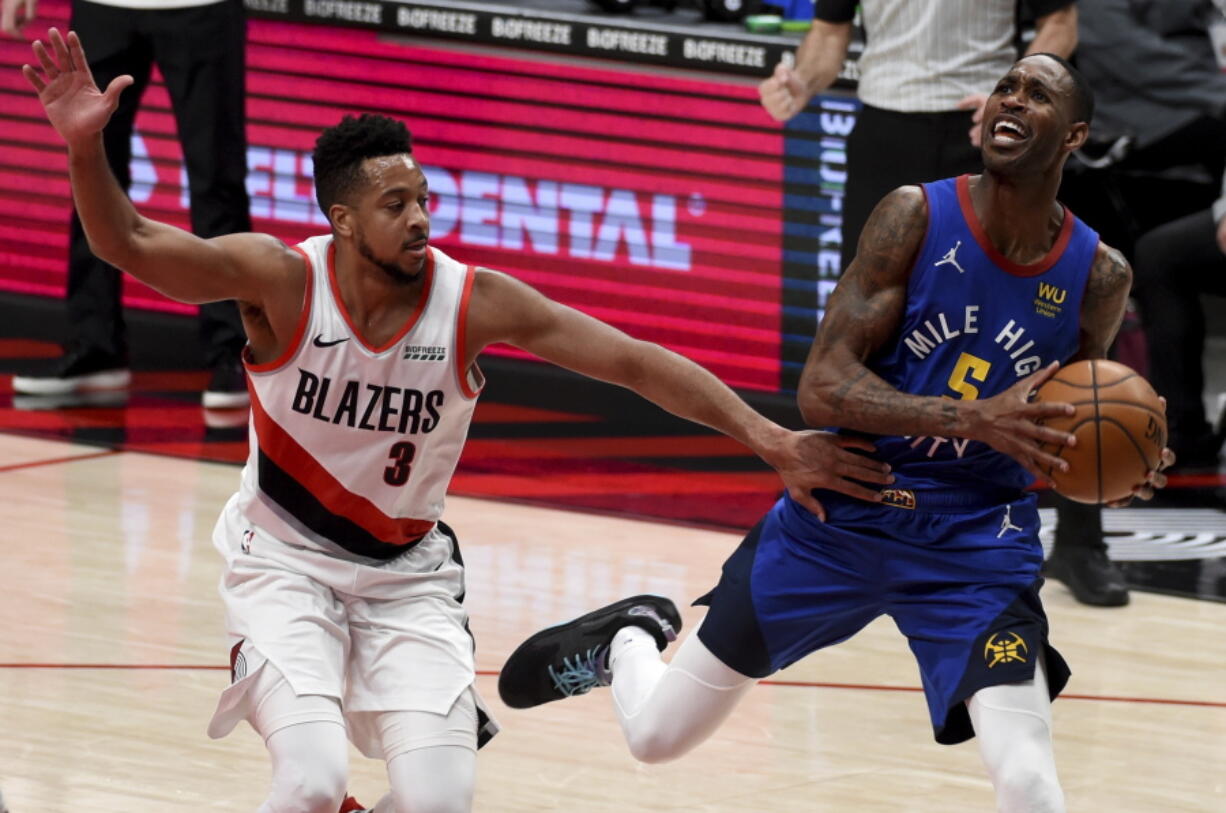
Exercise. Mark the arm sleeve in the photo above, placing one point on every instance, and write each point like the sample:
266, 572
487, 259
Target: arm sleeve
834, 11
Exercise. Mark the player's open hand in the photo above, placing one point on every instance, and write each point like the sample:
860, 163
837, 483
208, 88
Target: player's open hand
811, 459
14, 14
1011, 423
783, 93
66, 88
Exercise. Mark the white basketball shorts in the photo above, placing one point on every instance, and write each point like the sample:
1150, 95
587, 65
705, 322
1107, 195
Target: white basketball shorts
382, 636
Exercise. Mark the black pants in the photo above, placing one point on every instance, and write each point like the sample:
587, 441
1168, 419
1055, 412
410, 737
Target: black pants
200, 52
887, 150
1175, 264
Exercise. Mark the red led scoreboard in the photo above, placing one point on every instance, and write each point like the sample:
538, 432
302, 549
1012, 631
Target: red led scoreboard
658, 204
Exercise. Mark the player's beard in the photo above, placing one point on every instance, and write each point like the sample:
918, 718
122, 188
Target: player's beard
393, 270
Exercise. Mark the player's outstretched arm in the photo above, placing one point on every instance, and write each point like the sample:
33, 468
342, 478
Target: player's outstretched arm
503, 309
1102, 312
838, 389
175, 262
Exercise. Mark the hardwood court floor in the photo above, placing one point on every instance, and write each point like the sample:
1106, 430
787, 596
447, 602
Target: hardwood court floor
113, 653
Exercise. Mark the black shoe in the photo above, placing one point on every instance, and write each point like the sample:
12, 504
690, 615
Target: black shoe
572, 658
227, 387
1089, 575
78, 370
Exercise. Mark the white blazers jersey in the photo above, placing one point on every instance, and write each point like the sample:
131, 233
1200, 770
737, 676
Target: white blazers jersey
353, 446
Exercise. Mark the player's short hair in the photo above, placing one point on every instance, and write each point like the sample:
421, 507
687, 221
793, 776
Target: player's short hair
340, 151
1083, 94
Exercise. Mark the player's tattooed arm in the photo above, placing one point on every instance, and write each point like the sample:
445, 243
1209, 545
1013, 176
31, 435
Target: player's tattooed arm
862, 315
865, 313
1102, 311
1102, 307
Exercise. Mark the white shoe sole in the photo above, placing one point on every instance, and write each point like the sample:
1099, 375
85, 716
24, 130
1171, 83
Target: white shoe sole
104, 380
71, 400
225, 418
225, 400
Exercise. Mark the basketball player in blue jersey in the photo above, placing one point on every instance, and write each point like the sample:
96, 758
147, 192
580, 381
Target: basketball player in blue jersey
964, 296
342, 586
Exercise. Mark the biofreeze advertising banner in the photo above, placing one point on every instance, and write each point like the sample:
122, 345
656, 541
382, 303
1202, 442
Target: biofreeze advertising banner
651, 202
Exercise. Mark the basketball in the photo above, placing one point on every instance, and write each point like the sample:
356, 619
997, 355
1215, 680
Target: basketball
1119, 424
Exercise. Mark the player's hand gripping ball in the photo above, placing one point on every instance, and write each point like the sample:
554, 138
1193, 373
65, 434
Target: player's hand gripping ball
1120, 426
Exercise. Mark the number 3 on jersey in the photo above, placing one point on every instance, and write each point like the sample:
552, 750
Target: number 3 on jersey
402, 453
968, 367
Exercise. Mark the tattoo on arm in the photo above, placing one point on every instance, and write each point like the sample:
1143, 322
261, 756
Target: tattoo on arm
838, 398
863, 316
1102, 307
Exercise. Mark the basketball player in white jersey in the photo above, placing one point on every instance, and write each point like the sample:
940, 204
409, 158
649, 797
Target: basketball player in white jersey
342, 586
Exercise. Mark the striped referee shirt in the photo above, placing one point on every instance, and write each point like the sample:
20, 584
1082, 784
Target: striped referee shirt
926, 55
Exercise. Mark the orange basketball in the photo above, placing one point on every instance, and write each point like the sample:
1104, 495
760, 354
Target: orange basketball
1119, 424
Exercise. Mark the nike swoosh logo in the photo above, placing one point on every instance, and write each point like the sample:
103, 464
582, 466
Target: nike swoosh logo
319, 341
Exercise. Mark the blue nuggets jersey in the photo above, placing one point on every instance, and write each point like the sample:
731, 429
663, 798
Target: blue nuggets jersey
975, 324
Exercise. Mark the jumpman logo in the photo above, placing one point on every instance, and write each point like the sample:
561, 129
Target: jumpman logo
951, 258
1006, 524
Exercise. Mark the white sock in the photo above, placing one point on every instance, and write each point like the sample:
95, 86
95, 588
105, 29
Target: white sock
636, 665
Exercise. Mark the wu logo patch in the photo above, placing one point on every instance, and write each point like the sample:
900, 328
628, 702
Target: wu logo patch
1049, 300
951, 258
1005, 647
421, 352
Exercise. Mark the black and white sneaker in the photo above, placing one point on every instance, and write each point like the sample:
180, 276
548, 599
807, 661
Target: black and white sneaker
78, 370
572, 658
227, 387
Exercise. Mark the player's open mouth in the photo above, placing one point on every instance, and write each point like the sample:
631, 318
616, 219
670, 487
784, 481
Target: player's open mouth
1009, 130
417, 246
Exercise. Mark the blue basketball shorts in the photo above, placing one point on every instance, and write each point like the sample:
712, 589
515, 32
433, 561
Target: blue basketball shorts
958, 573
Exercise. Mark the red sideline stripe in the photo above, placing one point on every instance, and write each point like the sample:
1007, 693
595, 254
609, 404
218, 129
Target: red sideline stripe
53, 460
1206, 480
1215, 704
298, 463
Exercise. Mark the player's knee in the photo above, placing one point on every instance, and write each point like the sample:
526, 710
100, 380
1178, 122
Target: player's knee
655, 743
304, 788
1028, 787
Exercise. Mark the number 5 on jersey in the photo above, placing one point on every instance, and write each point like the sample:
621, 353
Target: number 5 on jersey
967, 369
401, 455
